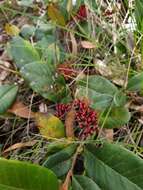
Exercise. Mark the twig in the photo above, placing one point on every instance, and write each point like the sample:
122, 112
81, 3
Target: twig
67, 181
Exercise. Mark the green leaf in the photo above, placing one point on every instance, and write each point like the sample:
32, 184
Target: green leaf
56, 146
43, 47
7, 96
41, 78
60, 162
98, 89
26, 3
118, 116
22, 52
52, 54
16, 175
139, 14
83, 183
136, 83
114, 167
120, 99
27, 31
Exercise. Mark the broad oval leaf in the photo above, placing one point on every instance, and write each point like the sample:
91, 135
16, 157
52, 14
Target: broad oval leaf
136, 83
16, 175
114, 162
117, 117
50, 126
61, 161
120, 99
83, 183
98, 89
22, 52
7, 96
40, 78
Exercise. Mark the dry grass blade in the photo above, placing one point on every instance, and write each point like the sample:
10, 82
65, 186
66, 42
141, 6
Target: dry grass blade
74, 44
20, 145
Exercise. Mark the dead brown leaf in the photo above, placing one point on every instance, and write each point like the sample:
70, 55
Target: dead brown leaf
87, 45
4, 72
135, 107
20, 145
5, 56
69, 122
19, 109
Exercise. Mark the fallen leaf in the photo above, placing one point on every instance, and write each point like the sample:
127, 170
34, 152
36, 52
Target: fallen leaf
69, 123
136, 107
5, 56
55, 14
12, 30
102, 67
19, 109
50, 126
4, 70
20, 145
87, 45
109, 70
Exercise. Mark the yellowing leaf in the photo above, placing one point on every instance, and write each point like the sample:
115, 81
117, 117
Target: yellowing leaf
12, 30
50, 126
55, 15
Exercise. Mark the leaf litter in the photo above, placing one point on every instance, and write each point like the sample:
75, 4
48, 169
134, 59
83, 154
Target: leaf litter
71, 70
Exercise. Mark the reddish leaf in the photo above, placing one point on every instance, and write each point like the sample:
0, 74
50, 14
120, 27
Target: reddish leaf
66, 70
82, 13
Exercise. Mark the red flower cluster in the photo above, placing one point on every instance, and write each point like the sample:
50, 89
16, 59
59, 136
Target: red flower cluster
86, 117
